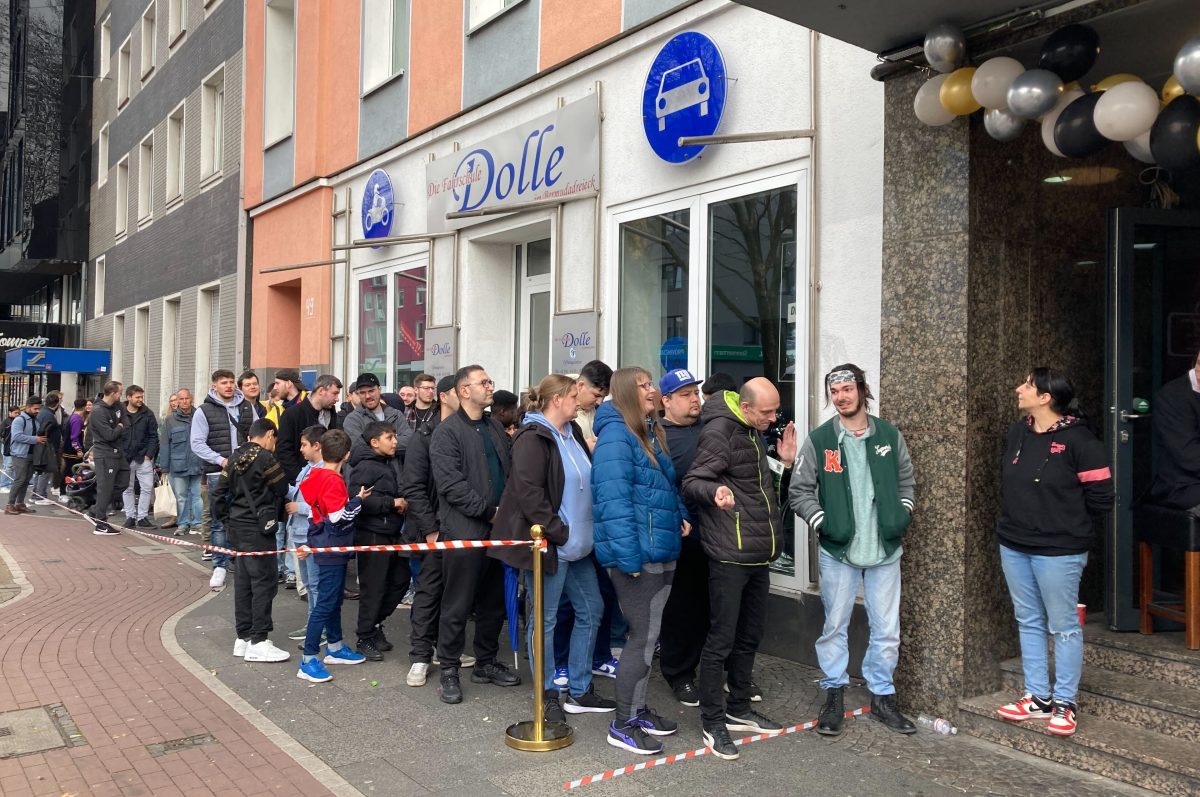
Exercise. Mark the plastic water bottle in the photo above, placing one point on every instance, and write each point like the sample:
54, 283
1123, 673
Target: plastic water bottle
937, 725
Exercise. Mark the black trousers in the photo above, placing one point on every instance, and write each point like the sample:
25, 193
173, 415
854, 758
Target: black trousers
382, 581
254, 587
738, 603
685, 618
426, 609
473, 580
112, 477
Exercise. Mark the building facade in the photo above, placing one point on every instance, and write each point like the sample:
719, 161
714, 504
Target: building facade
162, 276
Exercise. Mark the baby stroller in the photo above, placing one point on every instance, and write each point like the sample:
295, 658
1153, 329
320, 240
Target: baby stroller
80, 486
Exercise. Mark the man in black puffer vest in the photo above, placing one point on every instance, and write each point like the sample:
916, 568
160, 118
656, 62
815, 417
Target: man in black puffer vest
730, 483
383, 577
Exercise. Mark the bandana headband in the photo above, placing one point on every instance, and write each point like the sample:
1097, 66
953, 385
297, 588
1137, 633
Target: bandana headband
838, 377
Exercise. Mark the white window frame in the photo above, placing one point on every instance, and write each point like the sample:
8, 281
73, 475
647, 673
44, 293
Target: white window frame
378, 37
176, 154
121, 203
145, 193
98, 288
105, 65
124, 68
212, 125
698, 199
169, 346
141, 345
118, 347
388, 271
482, 12
176, 24
279, 74
102, 156
148, 38
207, 315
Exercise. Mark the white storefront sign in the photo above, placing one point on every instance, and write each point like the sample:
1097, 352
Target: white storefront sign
555, 156
573, 341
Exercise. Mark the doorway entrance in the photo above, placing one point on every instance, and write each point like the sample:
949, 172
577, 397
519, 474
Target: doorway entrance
1153, 337
532, 261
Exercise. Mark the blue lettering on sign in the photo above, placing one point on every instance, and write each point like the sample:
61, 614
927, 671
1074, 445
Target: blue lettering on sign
684, 95
673, 354
441, 349
377, 205
478, 179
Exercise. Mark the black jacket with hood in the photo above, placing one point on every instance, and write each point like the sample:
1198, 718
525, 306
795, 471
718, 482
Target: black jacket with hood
294, 420
461, 475
141, 440
1052, 485
251, 488
383, 476
106, 430
418, 488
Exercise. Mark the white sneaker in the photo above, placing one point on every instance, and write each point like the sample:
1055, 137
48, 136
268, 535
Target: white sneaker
44, 502
239, 648
218, 578
266, 651
417, 673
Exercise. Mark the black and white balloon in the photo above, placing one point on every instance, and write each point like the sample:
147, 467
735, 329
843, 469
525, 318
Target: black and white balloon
1075, 132
945, 47
1034, 93
1002, 125
1187, 66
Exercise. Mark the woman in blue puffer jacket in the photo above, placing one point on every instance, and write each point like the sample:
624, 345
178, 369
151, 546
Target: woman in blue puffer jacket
639, 521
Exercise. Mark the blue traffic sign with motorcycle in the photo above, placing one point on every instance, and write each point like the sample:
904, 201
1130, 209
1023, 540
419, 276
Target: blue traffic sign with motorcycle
684, 95
377, 205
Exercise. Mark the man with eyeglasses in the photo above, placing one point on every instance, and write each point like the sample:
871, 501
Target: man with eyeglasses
422, 415
469, 454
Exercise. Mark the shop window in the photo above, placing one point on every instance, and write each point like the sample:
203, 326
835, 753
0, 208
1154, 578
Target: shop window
654, 309
373, 334
384, 42
175, 159
212, 124
149, 38
409, 352
280, 71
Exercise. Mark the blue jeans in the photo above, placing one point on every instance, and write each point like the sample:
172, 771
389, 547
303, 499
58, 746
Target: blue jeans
881, 597
287, 562
577, 582
187, 500
6, 476
1044, 592
219, 537
325, 613
611, 631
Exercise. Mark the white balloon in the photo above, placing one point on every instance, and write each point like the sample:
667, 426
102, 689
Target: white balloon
1140, 148
927, 105
991, 80
1126, 111
1051, 119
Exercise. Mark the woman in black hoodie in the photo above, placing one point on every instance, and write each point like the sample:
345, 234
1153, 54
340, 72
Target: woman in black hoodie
1055, 478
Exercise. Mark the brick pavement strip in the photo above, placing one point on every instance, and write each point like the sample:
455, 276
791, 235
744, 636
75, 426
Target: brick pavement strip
90, 625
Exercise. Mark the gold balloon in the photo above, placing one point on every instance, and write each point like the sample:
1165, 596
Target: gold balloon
1171, 89
1115, 80
1074, 84
956, 95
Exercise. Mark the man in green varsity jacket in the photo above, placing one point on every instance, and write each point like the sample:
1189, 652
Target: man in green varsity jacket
853, 483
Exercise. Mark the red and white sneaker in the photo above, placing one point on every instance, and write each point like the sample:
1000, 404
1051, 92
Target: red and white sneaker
1027, 708
1063, 722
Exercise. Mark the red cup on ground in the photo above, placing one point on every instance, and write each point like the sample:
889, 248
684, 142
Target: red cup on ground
1081, 608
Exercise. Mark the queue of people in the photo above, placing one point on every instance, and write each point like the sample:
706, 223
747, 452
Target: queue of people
662, 511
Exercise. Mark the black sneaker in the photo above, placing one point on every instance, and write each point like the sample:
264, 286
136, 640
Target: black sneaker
833, 714
630, 736
450, 690
719, 744
381, 641
145, 523
755, 692
752, 722
883, 708
654, 724
103, 529
589, 703
687, 694
552, 710
369, 649
494, 673
130, 523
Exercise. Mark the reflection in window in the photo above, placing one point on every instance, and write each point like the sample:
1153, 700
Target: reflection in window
372, 324
654, 292
410, 326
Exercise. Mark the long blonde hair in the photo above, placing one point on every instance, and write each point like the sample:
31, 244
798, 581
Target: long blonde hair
627, 398
538, 398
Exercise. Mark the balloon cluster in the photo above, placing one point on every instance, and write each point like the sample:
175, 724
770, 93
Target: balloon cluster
1161, 127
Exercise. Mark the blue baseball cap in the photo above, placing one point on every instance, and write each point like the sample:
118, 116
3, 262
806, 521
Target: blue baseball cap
673, 380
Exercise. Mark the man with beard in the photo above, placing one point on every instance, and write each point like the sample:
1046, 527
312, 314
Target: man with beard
141, 449
854, 485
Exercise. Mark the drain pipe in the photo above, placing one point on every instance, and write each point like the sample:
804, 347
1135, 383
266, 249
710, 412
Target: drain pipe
815, 389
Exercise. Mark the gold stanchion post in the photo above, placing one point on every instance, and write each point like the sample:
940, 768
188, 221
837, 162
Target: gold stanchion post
537, 735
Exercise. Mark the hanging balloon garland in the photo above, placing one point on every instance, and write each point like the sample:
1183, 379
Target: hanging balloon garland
1155, 127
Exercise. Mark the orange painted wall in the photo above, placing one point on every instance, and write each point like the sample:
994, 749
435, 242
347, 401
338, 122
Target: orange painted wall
435, 55
569, 27
298, 231
308, 105
252, 111
338, 86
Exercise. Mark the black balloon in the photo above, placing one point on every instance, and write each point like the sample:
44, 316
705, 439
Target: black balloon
1173, 137
1070, 52
1075, 133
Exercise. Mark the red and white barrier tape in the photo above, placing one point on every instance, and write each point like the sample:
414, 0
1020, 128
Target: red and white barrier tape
613, 773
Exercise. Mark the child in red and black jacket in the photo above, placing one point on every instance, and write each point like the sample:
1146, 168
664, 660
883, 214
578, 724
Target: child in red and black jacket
332, 526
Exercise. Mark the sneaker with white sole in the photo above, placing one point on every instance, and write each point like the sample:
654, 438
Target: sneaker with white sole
562, 676
218, 578
206, 556
298, 634
717, 741
239, 648
103, 529
589, 703
417, 674
1027, 708
266, 651
44, 502
343, 655
630, 736
1064, 722
606, 668
464, 661
753, 722
313, 670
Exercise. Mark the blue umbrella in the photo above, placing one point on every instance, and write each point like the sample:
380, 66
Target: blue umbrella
512, 578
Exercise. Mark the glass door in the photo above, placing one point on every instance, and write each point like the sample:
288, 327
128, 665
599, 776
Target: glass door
533, 266
1153, 336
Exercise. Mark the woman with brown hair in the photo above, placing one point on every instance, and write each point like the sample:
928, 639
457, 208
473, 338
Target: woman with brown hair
639, 524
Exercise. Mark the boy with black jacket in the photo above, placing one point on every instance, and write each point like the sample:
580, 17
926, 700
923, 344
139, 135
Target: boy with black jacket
246, 500
383, 577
